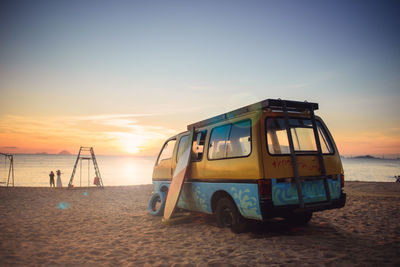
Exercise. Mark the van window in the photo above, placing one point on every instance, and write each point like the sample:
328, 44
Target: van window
181, 146
198, 145
230, 141
303, 136
167, 151
239, 143
219, 135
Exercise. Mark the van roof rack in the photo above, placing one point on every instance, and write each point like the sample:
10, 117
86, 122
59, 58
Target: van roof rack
274, 104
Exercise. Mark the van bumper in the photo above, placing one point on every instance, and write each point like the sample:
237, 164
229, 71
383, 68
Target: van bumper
268, 210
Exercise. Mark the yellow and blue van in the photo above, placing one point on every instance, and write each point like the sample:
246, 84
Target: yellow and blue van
274, 158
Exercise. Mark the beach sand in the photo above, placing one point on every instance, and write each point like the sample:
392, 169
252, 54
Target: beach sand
112, 227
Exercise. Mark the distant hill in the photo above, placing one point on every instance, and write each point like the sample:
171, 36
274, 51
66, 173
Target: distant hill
64, 152
365, 157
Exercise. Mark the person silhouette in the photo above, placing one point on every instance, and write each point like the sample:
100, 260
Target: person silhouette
59, 183
52, 179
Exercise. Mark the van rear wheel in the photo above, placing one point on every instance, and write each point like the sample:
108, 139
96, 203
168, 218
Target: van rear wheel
229, 216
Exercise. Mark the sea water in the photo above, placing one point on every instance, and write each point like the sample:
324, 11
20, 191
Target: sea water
33, 170
371, 169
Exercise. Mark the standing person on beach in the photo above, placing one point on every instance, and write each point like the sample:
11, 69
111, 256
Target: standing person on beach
52, 179
59, 183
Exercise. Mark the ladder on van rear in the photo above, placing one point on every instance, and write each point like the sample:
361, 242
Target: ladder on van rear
303, 106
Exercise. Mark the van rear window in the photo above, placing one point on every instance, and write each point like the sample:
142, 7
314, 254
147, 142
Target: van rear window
302, 134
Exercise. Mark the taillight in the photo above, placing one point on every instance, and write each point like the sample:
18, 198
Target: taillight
265, 188
342, 180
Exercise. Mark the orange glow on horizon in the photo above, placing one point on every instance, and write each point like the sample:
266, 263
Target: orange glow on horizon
129, 135
367, 143
53, 135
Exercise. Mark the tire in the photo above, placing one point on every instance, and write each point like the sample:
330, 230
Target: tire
299, 219
155, 199
229, 216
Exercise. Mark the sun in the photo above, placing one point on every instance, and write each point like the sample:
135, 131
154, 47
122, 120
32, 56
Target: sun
132, 143
132, 149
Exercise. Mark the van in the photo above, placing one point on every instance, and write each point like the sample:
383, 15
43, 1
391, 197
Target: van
274, 158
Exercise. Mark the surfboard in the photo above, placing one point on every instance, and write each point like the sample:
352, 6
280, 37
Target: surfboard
178, 178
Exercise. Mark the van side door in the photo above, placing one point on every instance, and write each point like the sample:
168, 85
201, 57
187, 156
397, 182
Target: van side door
163, 169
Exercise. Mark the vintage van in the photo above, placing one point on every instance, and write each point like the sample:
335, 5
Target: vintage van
274, 158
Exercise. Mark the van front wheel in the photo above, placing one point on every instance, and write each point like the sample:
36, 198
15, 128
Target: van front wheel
229, 216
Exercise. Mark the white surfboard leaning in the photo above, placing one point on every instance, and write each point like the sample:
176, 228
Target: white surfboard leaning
178, 178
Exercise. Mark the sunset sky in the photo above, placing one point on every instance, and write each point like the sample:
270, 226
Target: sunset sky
122, 76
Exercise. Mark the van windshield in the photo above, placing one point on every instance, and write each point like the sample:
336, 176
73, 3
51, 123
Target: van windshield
302, 134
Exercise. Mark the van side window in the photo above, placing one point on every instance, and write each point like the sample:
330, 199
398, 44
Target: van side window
239, 143
198, 145
219, 136
230, 141
181, 146
303, 136
167, 151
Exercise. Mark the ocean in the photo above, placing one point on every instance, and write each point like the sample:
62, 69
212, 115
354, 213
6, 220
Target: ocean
33, 170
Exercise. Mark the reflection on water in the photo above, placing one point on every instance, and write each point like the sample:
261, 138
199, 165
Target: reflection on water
126, 170
33, 170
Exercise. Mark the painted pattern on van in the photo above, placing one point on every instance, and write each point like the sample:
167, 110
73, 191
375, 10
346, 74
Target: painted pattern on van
313, 191
197, 196
248, 203
200, 198
313, 165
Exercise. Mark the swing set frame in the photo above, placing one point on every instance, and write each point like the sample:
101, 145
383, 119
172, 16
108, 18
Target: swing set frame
80, 157
10, 169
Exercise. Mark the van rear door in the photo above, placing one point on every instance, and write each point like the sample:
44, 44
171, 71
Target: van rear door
278, 163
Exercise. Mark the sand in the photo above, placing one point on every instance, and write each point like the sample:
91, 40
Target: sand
112, 227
